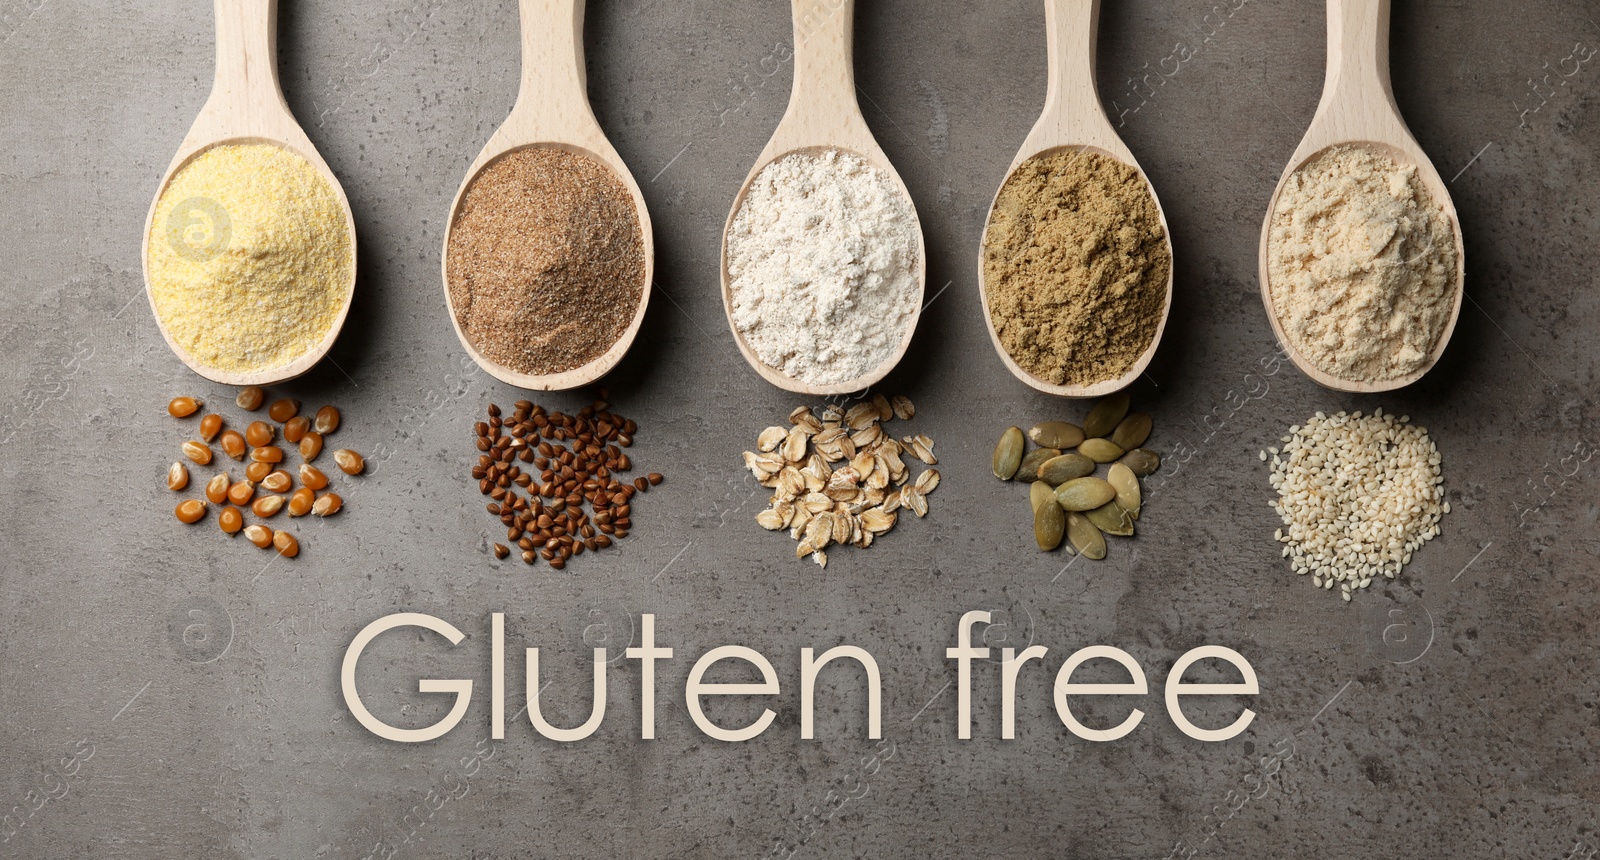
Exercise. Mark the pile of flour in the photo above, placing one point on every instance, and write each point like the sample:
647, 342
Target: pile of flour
1361, 262
822, 265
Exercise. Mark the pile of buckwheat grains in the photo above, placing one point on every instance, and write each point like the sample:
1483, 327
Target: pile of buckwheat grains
1358, 495
575, 459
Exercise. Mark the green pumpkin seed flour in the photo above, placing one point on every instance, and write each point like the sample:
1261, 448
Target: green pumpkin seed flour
1076, 267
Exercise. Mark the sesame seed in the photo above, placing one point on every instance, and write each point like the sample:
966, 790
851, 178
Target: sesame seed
1357, 495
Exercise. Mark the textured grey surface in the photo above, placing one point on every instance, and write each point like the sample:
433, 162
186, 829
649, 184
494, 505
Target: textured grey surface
1451, 713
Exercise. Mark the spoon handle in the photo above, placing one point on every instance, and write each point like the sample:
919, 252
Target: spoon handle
553, 101
1358, 52
823, 97
247, 56
1072, 112
1070, 30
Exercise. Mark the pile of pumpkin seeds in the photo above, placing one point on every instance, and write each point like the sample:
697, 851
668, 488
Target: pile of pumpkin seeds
1068, 499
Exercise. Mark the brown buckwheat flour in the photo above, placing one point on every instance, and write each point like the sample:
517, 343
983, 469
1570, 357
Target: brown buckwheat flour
546, 261
1076, 265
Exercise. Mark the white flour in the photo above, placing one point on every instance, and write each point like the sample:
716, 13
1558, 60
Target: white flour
822, 265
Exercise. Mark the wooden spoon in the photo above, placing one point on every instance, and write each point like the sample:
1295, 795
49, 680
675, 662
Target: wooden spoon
552, 111
246, 106
1358, 109
1074, 120
823, 115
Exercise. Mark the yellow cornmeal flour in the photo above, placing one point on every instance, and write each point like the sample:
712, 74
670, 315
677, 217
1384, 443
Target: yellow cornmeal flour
249, 257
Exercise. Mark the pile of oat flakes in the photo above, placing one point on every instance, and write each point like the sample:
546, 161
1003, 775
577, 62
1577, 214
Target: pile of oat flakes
838, 477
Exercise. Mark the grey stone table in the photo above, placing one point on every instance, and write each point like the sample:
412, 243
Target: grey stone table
166, 693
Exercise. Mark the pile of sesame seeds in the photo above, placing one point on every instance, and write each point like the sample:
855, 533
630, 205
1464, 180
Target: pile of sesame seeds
1358, 495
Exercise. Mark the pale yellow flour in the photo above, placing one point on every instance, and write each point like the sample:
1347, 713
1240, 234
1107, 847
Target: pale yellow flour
249, 258
1361, 265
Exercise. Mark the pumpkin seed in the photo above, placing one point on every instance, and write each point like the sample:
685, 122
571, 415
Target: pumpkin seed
1084, 494
1111, 519
1008, 454
1059, 470
1142, 461
1085, 537
1056, 434
1106, 415
1133, 430
1041, 493
1049, 523
1031, 461
1127, 484
1100, 450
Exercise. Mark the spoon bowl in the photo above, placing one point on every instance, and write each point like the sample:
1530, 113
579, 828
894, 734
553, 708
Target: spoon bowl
1073, 120
823, 115
1358, 109
246, 106
552, 111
